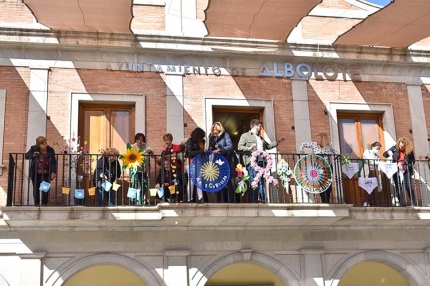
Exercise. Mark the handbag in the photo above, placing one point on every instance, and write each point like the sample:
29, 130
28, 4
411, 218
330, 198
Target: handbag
79, 193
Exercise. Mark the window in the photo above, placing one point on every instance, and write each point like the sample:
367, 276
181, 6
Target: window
357, 132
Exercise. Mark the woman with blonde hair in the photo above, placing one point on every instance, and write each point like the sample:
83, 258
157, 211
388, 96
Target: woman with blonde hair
108, 169
402, 153
220, 142
321, 147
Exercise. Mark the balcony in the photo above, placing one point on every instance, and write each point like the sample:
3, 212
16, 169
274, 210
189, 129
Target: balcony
288, 205
75, 184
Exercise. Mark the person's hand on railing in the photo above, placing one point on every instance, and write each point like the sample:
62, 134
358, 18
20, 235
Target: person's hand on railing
148, 151
36, 154
53, 175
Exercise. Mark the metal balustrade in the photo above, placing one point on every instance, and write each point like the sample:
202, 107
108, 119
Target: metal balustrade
77, 173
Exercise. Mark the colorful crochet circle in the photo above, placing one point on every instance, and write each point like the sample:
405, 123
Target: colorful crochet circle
313, 173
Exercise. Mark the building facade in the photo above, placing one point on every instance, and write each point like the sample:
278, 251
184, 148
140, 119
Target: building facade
171, 72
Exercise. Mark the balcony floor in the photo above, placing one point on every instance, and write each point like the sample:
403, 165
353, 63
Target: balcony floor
204, 216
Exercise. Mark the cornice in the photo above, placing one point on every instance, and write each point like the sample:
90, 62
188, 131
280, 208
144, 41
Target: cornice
217, 47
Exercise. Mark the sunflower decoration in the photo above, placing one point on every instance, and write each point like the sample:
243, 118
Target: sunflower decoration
344, 160
132, 158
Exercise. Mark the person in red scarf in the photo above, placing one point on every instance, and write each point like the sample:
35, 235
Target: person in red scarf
174, 152
168, 178
170, 149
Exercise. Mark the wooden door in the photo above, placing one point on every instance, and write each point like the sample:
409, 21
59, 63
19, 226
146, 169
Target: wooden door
102, 126
356, 133
106, 126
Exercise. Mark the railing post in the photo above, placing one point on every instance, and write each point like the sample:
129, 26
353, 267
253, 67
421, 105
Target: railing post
11, 172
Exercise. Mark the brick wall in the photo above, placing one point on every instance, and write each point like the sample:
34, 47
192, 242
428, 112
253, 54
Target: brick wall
321, 92
240, 87
326, 28
15, 81
148, 18
64, 81
337, 4
15, 11
397, 95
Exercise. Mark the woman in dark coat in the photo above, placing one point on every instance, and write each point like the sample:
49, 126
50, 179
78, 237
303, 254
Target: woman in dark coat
195, 146
43, 167
220, 142
108, 169
403, 155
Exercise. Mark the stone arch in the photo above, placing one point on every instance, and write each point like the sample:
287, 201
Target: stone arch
70, 268
278, 268
403, 266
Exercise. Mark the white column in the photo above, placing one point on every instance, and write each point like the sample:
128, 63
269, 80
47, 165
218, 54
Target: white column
31, 269
418, 118
302, 122
176, 265
420, 135
312, 267
174, 17
2, 116
175, 106
37, 105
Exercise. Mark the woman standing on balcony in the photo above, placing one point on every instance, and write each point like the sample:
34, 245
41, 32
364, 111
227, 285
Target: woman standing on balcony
321, 147
43, 167
109, 170
220, 142
403, 155
139, 177
195, 146
175, 153
370, 159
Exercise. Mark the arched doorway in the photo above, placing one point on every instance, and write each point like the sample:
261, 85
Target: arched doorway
122, 263
106, 275
243, 274
372, 273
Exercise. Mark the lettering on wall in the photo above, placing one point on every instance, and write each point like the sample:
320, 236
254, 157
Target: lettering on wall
304, 70
167, 69
316, 71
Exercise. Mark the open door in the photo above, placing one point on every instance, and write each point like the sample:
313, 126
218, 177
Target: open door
236, 121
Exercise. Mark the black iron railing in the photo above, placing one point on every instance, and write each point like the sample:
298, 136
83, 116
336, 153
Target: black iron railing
80, 180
